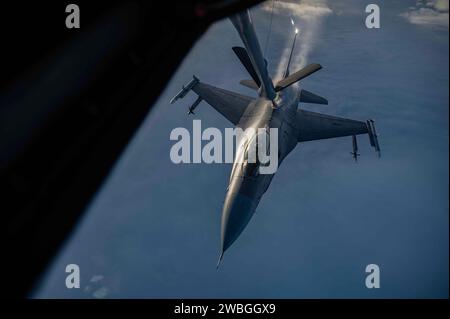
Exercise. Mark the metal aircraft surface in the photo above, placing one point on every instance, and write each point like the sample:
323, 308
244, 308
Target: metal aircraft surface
275, 107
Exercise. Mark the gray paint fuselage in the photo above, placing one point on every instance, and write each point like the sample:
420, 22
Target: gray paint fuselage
245, 187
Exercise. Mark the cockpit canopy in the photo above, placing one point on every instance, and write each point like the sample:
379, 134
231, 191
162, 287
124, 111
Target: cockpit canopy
248, 158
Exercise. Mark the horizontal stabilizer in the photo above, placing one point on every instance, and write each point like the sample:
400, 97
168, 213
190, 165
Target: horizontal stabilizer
297, 76
250, 84
245, 60
309, 97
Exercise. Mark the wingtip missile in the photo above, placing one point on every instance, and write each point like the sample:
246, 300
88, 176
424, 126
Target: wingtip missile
373, 136
185, 89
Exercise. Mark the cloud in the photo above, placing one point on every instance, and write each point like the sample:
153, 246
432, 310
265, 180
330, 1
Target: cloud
307, 15
96, 278
96, 288
430, 13
101, 293
440, 5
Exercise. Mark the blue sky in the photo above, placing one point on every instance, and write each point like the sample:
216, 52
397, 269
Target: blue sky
153, 230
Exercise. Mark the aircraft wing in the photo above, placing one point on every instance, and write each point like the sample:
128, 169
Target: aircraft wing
230, 104
317, 126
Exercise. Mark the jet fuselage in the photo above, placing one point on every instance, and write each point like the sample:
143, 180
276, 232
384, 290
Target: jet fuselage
247, 185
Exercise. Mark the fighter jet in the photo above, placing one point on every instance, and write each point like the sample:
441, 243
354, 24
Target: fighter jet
277, 106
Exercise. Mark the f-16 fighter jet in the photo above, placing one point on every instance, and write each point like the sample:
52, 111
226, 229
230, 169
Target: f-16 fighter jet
277, 106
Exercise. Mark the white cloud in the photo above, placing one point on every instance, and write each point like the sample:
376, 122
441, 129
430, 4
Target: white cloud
96, 278
101, 293
95, 287
308, 14
431, 13
439, 5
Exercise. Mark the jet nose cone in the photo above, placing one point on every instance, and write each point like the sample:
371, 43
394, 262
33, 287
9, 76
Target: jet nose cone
237, 212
